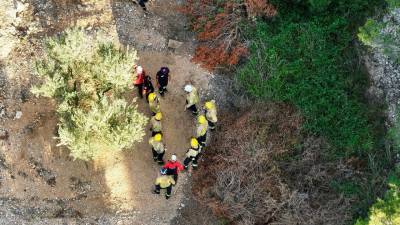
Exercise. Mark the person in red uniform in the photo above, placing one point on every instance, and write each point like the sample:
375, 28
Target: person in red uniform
140, 75
173, 167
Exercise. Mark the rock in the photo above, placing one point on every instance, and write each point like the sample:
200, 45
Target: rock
19, 6
3, 133
174, 44
2, 111
18, 115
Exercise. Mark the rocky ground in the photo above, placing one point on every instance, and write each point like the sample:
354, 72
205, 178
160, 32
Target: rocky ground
39, 182
384, 67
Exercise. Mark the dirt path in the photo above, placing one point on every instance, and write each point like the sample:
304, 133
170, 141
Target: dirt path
40, 184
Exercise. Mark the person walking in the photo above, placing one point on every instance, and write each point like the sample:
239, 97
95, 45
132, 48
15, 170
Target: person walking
201, 130
142, 4
164, 182
192, 99
147, 86
192, 154
211, 114
158, 148
153, 103
173, 167
162, 80
139, 81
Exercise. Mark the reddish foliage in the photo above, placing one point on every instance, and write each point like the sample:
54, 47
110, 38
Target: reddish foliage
218, 30
260, 8
210, 58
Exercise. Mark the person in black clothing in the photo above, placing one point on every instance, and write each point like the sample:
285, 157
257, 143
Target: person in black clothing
147, 86
142, 4
162, 80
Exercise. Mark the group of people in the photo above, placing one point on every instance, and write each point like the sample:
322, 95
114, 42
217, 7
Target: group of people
206, 120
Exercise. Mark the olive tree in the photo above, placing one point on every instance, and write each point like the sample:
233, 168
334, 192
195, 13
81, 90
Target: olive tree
87, 75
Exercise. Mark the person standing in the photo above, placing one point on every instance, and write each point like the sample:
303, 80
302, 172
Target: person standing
147, 86
173, 167
139, 81
201, 130
164, 182
158, 148
153, 103
192, 154
192, 99
211, 113
156, 127
162, 80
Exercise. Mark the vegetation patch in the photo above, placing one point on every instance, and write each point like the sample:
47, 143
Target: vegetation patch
251, 175
305, 55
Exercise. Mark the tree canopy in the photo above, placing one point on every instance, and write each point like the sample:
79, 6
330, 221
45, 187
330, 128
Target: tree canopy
87, 76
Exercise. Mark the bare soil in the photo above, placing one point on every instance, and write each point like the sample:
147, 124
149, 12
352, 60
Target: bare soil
40, 183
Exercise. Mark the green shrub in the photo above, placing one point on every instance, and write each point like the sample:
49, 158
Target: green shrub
386, 211
319, 5
302, 63
369, 32
393, 4
87, 77
383, 35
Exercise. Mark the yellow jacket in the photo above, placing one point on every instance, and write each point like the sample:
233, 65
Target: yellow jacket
192, 98
211, 115
192, 152
164, 181
155, 125
154, 106
201, 129
157, 145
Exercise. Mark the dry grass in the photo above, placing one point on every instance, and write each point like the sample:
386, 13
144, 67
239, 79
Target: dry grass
244, 176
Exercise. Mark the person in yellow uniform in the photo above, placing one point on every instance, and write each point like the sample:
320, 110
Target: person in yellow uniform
158, 148
192, 154
201, 130
164, 182
192, 99
156, 127
211, 113
154, 103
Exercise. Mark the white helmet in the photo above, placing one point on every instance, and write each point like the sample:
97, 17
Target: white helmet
139, 70
188, 88
173, 157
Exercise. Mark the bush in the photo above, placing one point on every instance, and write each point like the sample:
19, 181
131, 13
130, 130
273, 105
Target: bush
386, 210
383, 35
87, 76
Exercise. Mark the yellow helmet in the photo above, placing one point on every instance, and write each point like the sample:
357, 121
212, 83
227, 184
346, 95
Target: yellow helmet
151, 97
194, 143
158, 116
158, 137
209, 105
202, 119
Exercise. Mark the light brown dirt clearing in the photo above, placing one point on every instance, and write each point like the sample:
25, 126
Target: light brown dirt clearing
40, 183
